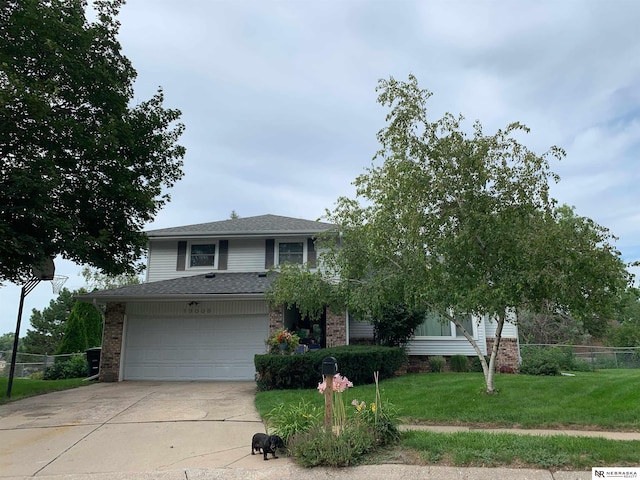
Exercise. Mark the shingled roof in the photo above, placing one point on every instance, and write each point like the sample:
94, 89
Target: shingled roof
194, 286
260, 225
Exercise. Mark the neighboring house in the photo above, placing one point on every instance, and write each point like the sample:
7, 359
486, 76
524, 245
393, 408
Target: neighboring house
202, 315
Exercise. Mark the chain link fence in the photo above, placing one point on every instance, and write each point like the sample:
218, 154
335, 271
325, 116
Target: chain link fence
27, 364
593, 357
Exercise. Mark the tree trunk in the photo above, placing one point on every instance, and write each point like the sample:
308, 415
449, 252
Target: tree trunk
476, 347
489, 376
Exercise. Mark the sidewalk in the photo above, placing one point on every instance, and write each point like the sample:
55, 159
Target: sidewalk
524, 431
284, 469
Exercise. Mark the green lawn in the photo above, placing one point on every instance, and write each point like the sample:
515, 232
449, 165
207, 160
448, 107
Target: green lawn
482, 449
24, 387
606, 399
601, 400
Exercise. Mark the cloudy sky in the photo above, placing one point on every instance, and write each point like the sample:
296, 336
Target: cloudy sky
279, 101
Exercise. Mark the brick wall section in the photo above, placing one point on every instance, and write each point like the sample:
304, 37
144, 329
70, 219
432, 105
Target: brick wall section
508, 355
276, 320
506, 362
420, 363
336, 329
336, 326
112, 342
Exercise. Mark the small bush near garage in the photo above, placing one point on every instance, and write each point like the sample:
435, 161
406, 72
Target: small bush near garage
74, 367
277, 372
459, 363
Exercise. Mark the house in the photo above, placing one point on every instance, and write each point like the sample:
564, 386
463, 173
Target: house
201, 313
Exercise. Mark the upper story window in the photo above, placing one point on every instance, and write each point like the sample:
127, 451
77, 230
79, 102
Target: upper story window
290, 252
435, 325
202, 255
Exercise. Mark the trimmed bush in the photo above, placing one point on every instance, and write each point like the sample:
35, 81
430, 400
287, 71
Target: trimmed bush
278, 372
459, 363
74, 367
476, 366
540, 361
436, 364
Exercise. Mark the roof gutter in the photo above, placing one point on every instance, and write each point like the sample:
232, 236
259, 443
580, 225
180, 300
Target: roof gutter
88, 298
185, 235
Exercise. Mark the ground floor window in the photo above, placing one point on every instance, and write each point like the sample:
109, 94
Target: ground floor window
436, 325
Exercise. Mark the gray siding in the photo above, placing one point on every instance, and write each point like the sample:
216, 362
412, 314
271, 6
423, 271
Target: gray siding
182, 309
246, 255
359, 329
509, 330
444, 346
162, 261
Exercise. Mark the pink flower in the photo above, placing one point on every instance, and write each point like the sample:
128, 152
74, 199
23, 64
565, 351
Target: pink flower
321, 386
340, 384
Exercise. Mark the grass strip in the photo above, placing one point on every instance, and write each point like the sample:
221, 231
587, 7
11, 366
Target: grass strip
482, 449
25, 387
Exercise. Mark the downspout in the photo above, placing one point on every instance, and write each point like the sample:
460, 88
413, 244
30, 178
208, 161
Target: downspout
348, 320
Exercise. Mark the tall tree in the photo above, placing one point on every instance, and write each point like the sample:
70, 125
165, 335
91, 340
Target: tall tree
47, 326
92, 320
6, 343
551, 328
74, 339
97, 280
83, 170
465, 224
625, 332
460, 223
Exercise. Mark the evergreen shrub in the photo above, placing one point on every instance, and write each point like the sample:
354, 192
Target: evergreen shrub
459, 363
541, 361
357, 362
74, 367
436, 364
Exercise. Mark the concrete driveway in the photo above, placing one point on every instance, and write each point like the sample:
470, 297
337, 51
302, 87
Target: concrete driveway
131, 427
173, 431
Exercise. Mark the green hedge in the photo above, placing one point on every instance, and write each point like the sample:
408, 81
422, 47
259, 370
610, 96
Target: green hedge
357, 363
73, 367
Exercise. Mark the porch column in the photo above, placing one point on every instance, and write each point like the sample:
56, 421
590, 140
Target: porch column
112, 342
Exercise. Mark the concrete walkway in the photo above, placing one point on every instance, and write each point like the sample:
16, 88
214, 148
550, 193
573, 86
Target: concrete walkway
185, 431
524, 431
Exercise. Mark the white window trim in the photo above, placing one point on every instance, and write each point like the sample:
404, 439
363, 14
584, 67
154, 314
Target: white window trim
276, 253
452, 331
204, 267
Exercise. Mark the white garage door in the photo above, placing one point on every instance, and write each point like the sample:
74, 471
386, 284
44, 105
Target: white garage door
214, 348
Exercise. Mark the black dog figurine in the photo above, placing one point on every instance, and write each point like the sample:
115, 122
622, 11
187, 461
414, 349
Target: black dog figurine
268, 444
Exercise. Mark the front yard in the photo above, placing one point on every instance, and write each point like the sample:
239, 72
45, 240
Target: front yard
26, 387
601, 400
